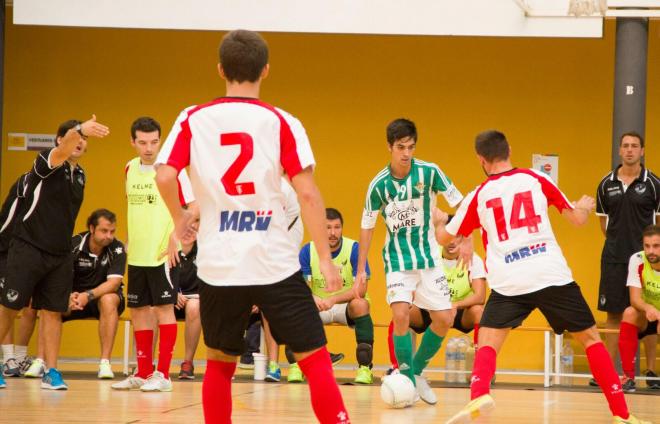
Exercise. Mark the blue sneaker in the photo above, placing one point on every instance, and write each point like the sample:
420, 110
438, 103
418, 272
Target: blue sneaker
53, 380
274, 373
2, 382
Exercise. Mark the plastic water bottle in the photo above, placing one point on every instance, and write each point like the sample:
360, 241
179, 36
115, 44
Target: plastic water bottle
566, 360
450, 360
461, 350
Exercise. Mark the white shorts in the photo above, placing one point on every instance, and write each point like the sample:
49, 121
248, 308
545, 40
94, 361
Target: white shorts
337, 314
426, 288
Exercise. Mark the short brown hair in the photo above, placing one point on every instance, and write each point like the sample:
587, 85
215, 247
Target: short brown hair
243, 55
492, 145
144, 124
632, 134
651, 230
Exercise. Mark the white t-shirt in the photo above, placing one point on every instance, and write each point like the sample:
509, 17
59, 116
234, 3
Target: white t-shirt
238, 149
511, 208
292, 211
635, 268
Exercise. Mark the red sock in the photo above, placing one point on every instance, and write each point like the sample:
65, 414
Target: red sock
603, 371
166, 347
390, 345
327, 402
628, 348
216, 391
476, 335
482, 373
144, 340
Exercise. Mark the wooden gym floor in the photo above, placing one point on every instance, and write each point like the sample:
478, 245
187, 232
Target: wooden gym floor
91, 401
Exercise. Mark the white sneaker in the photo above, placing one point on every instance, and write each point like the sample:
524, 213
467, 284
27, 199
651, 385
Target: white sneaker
157, 383
36, 369
105, 370
132, 382
425, 391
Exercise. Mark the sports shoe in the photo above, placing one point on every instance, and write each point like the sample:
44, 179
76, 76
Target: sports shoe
295, 374
52, 380
105, 370
336, 358
364, 375
425, 391
593, 382
187, 371
628, 385
25, 365
246, 362
132, 382
274, 373
36, 369
473, 409
11, 368
157, 383
630, 420
2, 382
652, 384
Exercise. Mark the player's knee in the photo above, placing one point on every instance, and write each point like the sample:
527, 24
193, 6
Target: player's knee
358, 307
630, 315
108, 303
587, 337
443, 319
192, 308
476, 311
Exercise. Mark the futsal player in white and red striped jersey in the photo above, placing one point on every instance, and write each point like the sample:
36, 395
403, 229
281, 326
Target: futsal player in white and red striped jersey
525, 269
237, 148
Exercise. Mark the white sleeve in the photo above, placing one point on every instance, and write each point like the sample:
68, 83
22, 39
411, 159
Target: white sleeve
452, 195
477, 269
635, 265
186, 187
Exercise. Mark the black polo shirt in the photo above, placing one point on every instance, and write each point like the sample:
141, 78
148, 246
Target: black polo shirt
52, 201
9, 212
188, 274
90, 270
628, 212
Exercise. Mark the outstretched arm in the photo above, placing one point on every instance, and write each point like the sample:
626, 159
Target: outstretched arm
579, 215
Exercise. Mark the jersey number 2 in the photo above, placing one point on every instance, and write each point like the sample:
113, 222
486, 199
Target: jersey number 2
234, 171
521, 201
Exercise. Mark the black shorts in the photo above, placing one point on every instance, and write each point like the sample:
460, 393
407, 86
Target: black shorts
33, 273
613, 295
651, 329
180, 314
3, 266
563, 306
152, 285
92, 310
287, 305
426, 319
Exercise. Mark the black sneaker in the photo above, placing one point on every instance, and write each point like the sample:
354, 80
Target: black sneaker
336, 358
628, 385
11, 368
593, 383
652, 384
246, 362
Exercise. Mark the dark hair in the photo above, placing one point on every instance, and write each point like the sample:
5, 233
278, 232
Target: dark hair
632, 134
651, 230
401, 128
332, 213
144, 124
492, 145
243, 55
93, 219
65, 127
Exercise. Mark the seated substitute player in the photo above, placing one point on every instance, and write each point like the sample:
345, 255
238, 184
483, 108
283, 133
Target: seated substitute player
526, 269
404, 192
468, 294
641, 318
342, 306
99, 261
246, 256
187, 307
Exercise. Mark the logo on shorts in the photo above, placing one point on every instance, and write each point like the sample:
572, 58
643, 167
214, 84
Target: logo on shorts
602, 300
525, 252
12, 295
245, 220
443, 285
165, 294
2, 282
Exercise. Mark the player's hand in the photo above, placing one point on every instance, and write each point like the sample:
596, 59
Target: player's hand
465, 253
91, 128
319, 302
327, 304
254, 310
587, 203
81, 301
73, 300
359, 281
440, 217
333, 280
185, 227
181, 301
172, 251
652, 314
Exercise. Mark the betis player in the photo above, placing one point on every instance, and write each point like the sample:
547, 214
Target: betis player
641, 319
404, 193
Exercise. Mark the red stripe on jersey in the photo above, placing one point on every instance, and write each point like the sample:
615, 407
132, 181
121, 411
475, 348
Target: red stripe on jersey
288, 149
484, 240
640, 270
471, 219
182, 200
179, 157
555, 197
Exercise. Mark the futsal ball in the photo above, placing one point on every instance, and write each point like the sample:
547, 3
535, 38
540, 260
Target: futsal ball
397, 391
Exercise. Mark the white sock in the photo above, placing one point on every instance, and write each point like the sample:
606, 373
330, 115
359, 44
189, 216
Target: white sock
20, 352
7, 352
105, 361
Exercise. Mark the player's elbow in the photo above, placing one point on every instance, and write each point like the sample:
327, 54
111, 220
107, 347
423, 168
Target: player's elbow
165, 175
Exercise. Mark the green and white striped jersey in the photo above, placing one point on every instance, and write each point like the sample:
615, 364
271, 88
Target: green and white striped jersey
406, 206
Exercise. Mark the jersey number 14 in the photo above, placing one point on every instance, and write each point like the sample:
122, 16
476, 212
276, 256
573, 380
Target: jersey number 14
522, 202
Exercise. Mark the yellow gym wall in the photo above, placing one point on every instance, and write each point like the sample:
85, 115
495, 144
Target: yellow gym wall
547, 95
